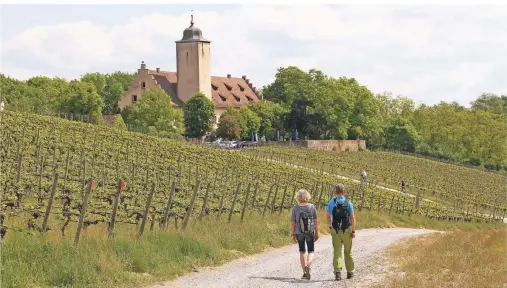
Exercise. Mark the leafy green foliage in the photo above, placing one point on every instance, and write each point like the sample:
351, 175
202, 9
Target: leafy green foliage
249, 122
154, 111
229, 126
198, 113
82, 98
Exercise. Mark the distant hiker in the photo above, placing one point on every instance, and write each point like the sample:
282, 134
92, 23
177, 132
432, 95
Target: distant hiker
363, 177
403, 188
342, 225
305, 229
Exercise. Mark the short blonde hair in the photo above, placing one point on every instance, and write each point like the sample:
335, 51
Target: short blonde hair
302, 196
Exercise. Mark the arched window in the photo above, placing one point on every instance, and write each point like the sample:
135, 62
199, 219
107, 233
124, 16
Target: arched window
143, 85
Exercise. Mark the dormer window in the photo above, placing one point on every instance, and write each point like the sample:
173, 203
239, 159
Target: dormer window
214, 87
241, 87
250, 99
229, 87
222, 97
236, 97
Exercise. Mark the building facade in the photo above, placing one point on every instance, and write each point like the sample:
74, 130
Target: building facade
193, 74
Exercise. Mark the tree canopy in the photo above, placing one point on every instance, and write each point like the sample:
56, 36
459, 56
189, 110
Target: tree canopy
198, 114
317, 105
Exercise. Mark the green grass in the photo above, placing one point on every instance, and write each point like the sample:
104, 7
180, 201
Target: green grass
128, 261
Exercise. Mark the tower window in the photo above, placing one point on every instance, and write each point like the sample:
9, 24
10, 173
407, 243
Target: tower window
187, 54
143, 85
134, 98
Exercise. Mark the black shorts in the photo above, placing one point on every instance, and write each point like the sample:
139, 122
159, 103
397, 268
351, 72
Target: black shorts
308, 239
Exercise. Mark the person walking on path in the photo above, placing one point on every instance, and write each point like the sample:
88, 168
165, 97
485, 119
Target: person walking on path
342, 225
363, 177
305, 229
403, 186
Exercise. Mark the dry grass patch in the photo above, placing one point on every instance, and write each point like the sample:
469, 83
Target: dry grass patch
454, 259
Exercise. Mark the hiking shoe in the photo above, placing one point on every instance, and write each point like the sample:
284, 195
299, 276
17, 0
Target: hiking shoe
350, 275
307, 272
337, 276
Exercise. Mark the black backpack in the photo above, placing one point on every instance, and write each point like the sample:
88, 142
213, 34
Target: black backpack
341, 215
306, 224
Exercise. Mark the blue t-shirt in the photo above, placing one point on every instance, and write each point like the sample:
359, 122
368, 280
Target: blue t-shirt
341, 200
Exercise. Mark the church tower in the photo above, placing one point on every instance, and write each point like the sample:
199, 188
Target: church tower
193, 63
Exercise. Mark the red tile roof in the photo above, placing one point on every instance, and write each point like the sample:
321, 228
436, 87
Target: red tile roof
225, 92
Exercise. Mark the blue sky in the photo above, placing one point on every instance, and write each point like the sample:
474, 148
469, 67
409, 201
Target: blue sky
427, 53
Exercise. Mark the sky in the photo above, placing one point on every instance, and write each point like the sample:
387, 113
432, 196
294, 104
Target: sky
427, 53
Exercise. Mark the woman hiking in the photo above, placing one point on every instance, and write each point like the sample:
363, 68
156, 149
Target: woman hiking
305, 229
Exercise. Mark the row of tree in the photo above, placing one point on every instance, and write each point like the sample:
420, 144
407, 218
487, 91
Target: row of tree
314, 104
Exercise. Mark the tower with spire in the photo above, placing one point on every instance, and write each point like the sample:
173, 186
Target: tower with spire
193, 63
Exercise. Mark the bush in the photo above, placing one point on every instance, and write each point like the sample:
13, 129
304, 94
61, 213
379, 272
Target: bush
473, 161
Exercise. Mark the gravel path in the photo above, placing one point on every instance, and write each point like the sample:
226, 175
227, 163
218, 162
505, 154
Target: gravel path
280, 267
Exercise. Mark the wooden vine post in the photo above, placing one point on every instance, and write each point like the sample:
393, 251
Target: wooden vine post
391, 205
147, 208
254, 198
120, 187
191, 207
204, 202
283, 200
234, 202
50, 202
168, 206
267, 200
245, 202
88, 191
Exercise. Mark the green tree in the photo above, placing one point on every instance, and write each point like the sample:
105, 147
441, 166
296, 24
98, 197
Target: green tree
154, 111
198, 114
228, 127
271, 115
115, 85
83, 99
249, 122
492, 103
402, 135
49, 93
97, 79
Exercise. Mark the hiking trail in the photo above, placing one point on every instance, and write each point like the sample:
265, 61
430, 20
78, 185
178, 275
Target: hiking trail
279, 267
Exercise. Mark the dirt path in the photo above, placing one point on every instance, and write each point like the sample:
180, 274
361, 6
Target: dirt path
280, 267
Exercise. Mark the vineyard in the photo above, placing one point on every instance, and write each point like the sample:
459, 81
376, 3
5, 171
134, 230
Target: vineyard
58, 171
438, 181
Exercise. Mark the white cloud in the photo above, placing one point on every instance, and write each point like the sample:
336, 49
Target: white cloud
427, 53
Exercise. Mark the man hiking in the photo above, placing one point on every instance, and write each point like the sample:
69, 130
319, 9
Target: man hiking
305, 229
363, 177
342, 225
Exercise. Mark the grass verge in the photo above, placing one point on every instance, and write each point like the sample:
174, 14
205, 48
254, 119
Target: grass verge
456, 259
51, 260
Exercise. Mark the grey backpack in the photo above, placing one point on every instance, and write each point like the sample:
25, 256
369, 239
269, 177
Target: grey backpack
306, 224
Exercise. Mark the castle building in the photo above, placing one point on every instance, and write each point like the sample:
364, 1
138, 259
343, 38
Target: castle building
193, 74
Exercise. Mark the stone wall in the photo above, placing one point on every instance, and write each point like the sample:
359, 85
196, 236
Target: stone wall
327, 145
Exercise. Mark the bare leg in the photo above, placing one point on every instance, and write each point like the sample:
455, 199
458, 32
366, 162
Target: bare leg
302, 260
309, 259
